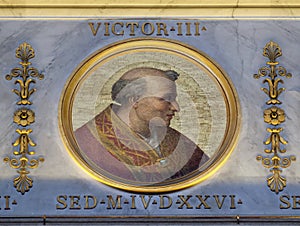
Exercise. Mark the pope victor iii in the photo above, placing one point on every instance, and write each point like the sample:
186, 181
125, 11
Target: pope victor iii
131, 140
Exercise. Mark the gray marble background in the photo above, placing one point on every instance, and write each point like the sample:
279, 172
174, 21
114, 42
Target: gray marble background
235, 44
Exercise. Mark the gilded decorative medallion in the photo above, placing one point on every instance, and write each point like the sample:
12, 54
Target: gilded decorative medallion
144, 115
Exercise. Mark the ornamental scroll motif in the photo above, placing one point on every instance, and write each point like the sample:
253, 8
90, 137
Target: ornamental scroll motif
274, 116
23, 159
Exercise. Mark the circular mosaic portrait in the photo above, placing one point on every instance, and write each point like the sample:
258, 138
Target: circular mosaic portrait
149, 115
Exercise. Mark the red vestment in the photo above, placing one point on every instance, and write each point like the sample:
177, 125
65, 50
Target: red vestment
112, 149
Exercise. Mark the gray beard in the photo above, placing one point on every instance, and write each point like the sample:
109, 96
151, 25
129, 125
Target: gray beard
158, 131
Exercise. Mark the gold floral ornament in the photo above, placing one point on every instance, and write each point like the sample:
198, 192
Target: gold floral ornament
272, 70
274, 140
24, 52
24, 141
274, 116
24, 117
23, 183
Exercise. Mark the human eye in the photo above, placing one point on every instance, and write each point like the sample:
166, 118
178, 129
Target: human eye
169, 98
161, 98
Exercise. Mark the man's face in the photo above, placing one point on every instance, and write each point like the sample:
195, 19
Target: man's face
158, 103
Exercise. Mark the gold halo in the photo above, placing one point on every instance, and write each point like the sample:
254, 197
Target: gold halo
217, 75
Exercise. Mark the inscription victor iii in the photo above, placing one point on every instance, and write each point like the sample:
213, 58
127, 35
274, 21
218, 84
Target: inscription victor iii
121, 28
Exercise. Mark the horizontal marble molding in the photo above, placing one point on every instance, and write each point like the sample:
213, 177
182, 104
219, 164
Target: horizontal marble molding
151, 8
152, 4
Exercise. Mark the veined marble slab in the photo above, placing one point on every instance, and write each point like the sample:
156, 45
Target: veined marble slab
238, 188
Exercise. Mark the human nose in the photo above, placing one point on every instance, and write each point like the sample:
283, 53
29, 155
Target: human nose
175, 106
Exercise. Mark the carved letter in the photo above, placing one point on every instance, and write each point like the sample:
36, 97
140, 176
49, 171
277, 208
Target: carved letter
106, 29
232, 202
131, 25
62, 200
296, 202
87, 203
162, 202
113, 29
151, 28
146, 204
74, 203
161, 26
188, 29
95, 31
285, 199
185, 202
113, 203
6, 202
179, 29
219, 204
197, 28
133, 202
203, 202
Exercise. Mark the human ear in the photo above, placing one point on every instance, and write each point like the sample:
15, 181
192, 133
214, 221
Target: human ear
135, 105
133, 101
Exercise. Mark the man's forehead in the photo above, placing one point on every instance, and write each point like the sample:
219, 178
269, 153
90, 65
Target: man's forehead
159, 85
158, 81
143, 73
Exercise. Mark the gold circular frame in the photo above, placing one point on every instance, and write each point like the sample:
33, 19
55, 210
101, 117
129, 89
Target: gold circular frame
103, 55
